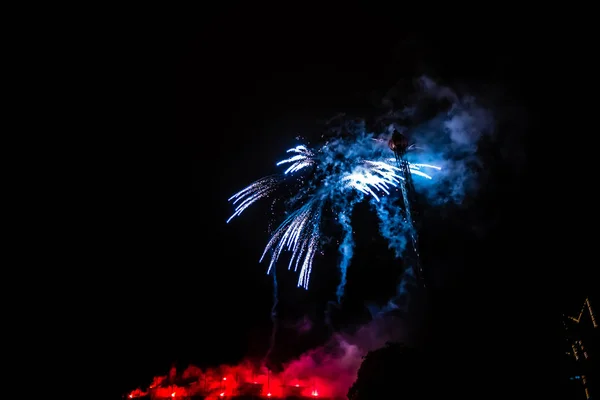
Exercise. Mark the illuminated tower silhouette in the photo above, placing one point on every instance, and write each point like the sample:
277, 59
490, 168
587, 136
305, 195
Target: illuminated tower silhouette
580, 334
399, 145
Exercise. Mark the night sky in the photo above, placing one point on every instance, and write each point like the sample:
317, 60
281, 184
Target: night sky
246, 85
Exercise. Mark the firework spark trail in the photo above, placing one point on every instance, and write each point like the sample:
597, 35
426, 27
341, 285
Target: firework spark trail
252, 193
302, 159
359, 165
373, 176
299, 233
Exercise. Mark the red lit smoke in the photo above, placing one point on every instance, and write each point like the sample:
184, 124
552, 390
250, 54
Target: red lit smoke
325, 372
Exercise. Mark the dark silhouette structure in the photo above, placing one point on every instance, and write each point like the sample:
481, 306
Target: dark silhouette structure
579, 369
399, 144
393, 371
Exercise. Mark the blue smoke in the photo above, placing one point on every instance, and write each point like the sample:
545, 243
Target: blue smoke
340, 173
346, 251
393, 227
392, 224
450, 140
274, 321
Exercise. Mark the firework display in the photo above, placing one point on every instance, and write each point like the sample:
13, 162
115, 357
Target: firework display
392, 166
335, 176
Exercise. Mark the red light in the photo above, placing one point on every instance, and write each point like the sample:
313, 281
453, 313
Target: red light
131, 396
315, 393
224, 378
297, 385
222, 394
173, 394
268, 394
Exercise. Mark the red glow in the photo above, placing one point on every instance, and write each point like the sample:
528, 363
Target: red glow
137, 393
318, 373
244, 379
168, 391
300, 378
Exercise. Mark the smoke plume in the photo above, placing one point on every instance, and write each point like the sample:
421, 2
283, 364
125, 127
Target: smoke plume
449, 138
327, 371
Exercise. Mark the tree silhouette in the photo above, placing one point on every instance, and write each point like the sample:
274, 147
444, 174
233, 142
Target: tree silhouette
393, 371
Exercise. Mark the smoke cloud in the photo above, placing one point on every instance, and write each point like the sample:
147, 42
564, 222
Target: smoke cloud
450, 139
327, 371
